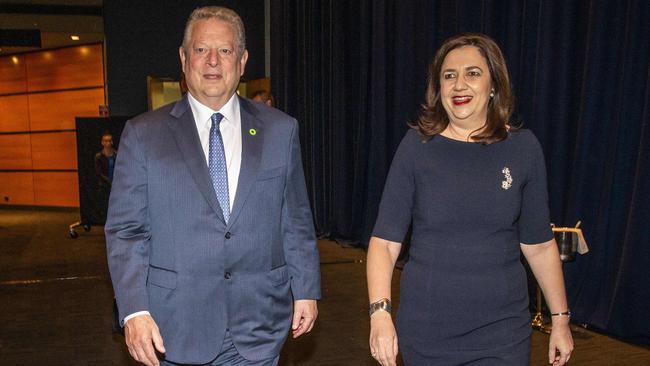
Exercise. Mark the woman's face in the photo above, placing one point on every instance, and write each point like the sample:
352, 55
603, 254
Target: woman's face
465, 85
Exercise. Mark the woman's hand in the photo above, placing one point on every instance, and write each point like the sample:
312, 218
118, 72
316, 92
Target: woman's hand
560, 344
383, 338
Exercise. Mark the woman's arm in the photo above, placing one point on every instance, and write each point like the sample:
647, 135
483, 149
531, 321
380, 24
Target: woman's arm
544, 260
382, 255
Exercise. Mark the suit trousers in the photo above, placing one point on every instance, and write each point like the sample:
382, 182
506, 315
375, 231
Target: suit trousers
230, 357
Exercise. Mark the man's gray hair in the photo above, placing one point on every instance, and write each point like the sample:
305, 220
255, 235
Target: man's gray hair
224, 14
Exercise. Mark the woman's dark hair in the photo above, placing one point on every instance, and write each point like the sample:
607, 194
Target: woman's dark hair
433, 117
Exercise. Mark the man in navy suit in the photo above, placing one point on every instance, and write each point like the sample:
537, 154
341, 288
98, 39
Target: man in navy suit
210, 239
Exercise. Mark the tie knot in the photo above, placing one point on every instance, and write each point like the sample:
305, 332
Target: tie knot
216, 119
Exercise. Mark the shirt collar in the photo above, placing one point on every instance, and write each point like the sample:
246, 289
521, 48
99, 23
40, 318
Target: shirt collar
203, 113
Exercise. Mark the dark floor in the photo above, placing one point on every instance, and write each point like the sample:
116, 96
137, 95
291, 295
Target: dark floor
55, 302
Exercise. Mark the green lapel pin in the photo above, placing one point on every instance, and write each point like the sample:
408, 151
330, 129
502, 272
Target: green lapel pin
252, 132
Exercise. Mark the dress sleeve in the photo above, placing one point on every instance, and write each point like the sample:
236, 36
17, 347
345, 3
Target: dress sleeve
534, 223
395, 213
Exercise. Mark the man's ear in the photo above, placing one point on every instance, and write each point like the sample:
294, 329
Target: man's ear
242, 62
181, 54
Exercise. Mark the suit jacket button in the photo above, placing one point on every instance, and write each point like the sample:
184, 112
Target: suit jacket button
226, 275
228, 235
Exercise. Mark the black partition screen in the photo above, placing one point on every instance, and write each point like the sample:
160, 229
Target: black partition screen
92, 195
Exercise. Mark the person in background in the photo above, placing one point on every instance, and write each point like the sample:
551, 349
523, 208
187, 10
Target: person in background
474, 188
210, 237
105, 161
263, 96
104, 168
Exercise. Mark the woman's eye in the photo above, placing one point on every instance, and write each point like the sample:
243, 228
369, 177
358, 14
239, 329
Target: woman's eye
448, 76
473, 74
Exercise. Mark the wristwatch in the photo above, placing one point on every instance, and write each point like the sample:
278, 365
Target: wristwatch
383, 304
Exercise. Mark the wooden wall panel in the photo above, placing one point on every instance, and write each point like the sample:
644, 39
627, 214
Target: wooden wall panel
57, 150
16, 188
45, 91
12, 74
14, 113
56, 189
15, 152
57, 111
73, 67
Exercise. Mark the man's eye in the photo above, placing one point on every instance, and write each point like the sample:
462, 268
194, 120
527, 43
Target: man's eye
226, 51
200, 50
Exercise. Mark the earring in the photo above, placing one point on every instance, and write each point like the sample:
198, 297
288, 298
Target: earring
492, 93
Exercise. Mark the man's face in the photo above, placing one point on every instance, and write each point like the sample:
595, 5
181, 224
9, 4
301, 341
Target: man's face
107, 141
211, 62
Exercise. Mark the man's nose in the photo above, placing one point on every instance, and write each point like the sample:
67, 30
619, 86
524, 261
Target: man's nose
213, 58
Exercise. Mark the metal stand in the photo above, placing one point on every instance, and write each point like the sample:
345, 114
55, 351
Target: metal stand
73, 226
538, 319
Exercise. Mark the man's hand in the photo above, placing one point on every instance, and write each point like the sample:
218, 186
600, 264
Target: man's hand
142, 334
304, 317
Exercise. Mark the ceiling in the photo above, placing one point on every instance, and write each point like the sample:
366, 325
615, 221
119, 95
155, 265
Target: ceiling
57, 20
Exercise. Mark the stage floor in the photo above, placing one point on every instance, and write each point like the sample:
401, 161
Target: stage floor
56, 300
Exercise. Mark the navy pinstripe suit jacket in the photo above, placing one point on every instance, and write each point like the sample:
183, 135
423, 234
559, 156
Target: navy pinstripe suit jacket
171, 253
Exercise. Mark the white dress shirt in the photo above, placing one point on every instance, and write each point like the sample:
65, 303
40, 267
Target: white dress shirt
230, 128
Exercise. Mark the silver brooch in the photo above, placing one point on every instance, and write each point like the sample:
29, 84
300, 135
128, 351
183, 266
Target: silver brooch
508, 182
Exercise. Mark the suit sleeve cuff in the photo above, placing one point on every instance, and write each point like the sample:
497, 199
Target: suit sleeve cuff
130, 316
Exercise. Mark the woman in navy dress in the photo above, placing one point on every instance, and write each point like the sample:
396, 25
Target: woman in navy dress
474, 190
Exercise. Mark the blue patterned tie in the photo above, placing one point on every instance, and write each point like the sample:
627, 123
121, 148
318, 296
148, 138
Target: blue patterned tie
217, 166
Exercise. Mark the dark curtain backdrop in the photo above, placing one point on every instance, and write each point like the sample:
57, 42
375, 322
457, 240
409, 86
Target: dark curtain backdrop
354, 74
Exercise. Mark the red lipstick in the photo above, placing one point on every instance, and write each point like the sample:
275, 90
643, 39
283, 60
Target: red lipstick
461, 100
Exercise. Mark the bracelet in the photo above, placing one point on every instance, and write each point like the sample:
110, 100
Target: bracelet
565, 313
383, 304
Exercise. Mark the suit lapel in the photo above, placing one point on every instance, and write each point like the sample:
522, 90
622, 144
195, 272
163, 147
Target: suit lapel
184, 131
252, 143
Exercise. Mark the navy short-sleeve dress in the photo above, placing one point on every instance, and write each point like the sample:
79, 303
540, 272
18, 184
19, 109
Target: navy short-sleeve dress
463, 292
